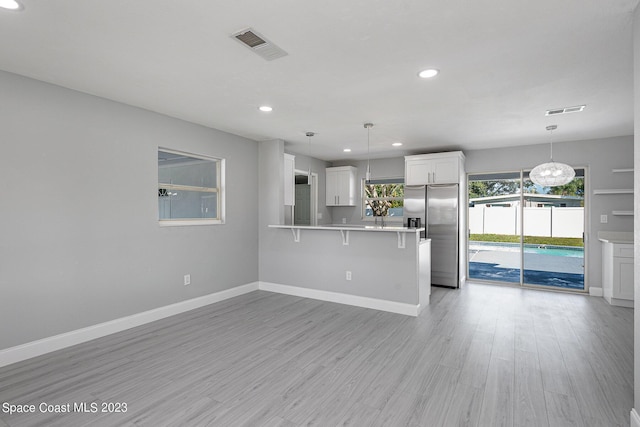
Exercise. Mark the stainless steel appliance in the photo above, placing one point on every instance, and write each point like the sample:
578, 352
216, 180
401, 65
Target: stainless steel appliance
436, 206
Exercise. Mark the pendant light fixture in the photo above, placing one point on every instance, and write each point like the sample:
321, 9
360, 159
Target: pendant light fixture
309, 135
552, 174
368, 127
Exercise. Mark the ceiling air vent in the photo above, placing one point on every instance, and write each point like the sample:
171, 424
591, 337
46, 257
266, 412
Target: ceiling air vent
565, 110
259, 44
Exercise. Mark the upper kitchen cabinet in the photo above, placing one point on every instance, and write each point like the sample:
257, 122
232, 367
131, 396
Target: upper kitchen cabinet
289, 180
438, 168
341, 186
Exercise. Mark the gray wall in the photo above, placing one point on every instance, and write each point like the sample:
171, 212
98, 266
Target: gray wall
80, 237
600, 156
636, 67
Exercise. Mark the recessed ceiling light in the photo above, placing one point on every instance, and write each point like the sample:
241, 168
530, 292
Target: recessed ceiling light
428, 73
347, 150
397, 144
265, 108
10, 4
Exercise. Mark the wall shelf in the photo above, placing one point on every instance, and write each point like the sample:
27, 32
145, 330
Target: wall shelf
613, 191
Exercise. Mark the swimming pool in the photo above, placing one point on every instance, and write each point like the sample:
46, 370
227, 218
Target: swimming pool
547, 265
564, 251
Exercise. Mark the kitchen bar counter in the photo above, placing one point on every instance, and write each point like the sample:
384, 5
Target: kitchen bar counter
383, 268
345, 229
351, 227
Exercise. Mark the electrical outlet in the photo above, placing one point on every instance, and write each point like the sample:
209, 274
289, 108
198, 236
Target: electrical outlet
344, 220
319, 215
604, 219
187, 279
348, 275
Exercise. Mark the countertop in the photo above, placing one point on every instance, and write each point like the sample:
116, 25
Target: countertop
346, 227
615, 236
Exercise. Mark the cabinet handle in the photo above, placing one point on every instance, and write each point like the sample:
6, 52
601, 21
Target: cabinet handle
434, 177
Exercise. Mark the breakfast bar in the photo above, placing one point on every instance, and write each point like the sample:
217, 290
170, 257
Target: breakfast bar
381, 267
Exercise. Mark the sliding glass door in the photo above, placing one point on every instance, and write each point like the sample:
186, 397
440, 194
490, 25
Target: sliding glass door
521, 233
494, 224
553, 230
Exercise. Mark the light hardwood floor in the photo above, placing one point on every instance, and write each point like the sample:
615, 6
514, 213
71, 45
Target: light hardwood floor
482, 356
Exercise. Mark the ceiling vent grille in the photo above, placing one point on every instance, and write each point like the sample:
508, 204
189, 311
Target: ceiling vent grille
259, 44
565, 110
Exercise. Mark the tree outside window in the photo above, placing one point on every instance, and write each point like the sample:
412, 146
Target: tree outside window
383, 198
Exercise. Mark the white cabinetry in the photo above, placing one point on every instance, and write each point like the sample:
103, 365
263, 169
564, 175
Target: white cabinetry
438, 168
289, 180
617, 273
341, 186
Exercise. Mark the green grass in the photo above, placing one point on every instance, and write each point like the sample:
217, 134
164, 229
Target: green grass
535, 240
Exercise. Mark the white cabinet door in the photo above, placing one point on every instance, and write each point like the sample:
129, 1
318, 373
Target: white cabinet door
617, 273
445, 171
623, 278
417, 172
346, 188
289, 180
332, 188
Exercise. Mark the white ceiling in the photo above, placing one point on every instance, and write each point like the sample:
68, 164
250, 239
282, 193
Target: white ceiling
503, 63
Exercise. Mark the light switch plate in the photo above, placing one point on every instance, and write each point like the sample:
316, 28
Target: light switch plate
604, 219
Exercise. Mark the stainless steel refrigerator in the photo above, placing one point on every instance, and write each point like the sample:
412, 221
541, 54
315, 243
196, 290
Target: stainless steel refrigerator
437, 208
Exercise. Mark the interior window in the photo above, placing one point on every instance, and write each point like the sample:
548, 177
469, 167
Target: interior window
190, 190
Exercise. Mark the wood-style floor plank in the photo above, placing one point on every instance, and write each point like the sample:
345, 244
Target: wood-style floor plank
480, 356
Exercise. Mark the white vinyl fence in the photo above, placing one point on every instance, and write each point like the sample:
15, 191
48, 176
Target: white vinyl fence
547, 222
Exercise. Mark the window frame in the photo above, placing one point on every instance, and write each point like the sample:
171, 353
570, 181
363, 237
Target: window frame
381, 181
219, 190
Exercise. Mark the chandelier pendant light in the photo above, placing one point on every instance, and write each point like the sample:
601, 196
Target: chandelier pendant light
367, 177
552, 174
309, 135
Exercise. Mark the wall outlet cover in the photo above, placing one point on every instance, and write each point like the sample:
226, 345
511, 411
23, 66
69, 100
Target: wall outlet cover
187, 279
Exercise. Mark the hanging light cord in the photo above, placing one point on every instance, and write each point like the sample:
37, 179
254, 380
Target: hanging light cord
309, 135
368, 126
551, 129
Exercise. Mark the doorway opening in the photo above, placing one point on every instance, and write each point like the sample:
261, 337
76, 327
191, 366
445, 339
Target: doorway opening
524, 234
306, 198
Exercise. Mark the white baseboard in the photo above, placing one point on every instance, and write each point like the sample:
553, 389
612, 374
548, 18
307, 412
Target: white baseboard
595, 292
635, 418
67, 339
365, 302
